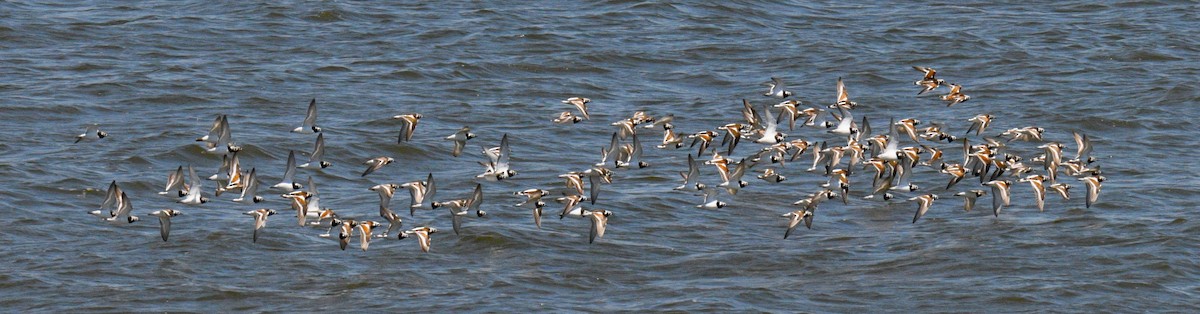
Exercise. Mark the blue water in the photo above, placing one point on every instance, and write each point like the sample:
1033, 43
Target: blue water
154, 74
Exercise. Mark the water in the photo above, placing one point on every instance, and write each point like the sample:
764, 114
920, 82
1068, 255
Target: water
156, 73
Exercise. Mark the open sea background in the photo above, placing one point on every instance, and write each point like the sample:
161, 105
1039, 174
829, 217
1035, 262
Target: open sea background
154, 74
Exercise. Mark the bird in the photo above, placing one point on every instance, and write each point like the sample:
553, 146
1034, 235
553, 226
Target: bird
570, 204
1039, 189
422, 234
421, 192
1000, 194
956, 173
364, 232
250, 190
789, 112
1030, 133
288, 183
111, 201
537, 213
581, 104
662, 122
1083, 147
567, 117
119, 205
460, 139
710, 199
164, 221
629, 152
310, 120
842, 180
794, 219
394, 221
385, 191
610, 151
770, 133
345, 231
955, 96
970, 197
410, 126
671, 140
845, 125
596, 175
221, 142
1063, 190
1093, 188
497, 167
704, 138
770, 175
843, 97
223, 171
92, 132
732, 180
326, 214
625, 127
175, 182
891, 152
532, 196
910, 127
979, 123
599, 223
930, 81
923, 201
193, 195
461, 207
316, 160
305, 203
236, 179
376, 163
260, 219
776, 89
215, 131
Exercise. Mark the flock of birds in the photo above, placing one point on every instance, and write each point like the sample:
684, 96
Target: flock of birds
850, 146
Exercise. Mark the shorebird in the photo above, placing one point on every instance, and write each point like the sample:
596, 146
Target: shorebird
794, 219
175, 183
288, 183
775, 89
422, 234
260, 219
193, 195
955, 96
1093, 188
843, 97
92, 132
1000, 194
581, 104
599, 223
567, 117
316, 159
164, 221
460, 139
421, 194
970, 197
310, 120
930, 81
923, 201
410, 126
250, 189
376, 163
